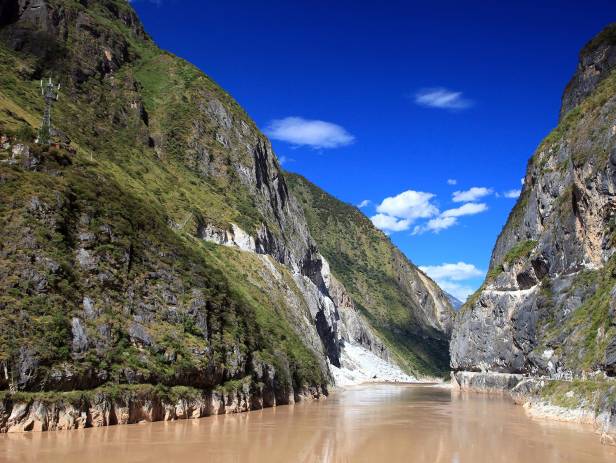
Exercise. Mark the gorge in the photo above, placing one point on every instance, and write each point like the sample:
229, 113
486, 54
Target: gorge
157, 263
167, 264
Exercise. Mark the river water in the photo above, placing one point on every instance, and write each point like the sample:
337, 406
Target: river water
371, 423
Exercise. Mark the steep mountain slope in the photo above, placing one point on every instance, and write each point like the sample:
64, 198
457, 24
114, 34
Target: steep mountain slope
547, 307
105, 275
159, 257
405, 307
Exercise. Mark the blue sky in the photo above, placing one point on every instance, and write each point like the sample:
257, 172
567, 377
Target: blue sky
425, 112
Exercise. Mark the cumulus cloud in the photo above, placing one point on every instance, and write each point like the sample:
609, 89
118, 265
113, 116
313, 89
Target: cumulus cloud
442, 98
364, 203
398, 213
304, 132
512, 194
435, 225
388, 223
458, 271
465, 209
452, 181
449, 218
452, 277
472, 194
409, 204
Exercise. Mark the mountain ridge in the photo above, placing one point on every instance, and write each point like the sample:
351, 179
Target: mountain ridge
158, 267
382, 282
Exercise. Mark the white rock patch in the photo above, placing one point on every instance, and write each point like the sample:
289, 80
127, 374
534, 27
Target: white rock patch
359, 365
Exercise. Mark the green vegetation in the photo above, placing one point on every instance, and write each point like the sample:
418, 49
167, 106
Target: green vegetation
111, 391
591, 394
581, 337
377, 276
590, 326
606, 36
117, 222
521, 250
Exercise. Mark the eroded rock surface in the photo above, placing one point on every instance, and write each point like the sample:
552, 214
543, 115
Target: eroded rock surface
544, 307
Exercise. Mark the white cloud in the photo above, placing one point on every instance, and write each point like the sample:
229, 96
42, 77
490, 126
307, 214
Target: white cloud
471, 195
450, 276
512, 194
457, 290
398, 213
388, 223
409, 205
442, 98
435, 225
452, 181
364, 203
457, 272
465, 209
303, 132
285, 160
449, 218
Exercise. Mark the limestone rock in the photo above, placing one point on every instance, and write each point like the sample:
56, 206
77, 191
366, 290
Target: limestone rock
545, 306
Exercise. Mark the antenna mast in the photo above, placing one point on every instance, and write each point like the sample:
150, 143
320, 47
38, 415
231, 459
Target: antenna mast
50, 93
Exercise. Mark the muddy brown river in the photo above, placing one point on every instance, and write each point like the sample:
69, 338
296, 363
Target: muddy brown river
372, 423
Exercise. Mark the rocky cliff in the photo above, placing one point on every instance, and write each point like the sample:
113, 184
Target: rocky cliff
547, 306
404, 306
157, 241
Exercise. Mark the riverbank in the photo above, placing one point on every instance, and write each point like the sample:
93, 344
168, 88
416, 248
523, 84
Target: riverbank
589, 401
129, 404
362, 424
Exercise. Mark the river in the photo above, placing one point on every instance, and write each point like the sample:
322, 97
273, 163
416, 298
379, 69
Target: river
371, 423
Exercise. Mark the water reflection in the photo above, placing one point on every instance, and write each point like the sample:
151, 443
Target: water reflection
382, 423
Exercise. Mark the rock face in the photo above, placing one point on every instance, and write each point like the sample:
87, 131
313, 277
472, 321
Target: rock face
167, 249
98, 409
402, 305
546, 305
596, 62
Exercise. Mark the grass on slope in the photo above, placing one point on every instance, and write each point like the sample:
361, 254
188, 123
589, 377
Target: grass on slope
374, 273
135, 187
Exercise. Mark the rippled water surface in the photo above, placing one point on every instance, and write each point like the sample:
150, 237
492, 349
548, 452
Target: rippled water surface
372, 423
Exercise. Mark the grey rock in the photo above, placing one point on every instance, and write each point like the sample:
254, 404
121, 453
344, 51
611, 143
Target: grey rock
596, 61
139, 334
80, 338
525, 313
486, 382
88, 308
85, 259
27, 367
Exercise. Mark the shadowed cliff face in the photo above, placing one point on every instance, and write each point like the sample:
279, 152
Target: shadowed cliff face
109, 273
547, 305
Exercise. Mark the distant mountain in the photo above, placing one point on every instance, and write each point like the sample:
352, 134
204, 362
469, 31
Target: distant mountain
401, 303
454, 301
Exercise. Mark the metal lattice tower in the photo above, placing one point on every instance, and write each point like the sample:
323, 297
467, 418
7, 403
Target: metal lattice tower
50, 93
